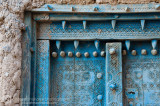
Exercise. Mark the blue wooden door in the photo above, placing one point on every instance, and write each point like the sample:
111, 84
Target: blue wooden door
89, 75
77, 79
62, 75
82, 74
142, 75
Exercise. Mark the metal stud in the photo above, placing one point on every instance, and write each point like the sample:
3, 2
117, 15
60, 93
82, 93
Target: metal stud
112, 51
49, 7
76, 44
97, 42
127, 43
102, 53
124, 52
99, 75
73, 9
70, 54
86, 54
63, 24
58, 44
32, 49
143, 51
84, 24
127, 9
113, 22
116, 16
99, 97
134, 52
154, 43
54, 54
62, 54
78, 54
157, 7
142, 24
139, 75
95, 54
113, 86
154, 52
95, 8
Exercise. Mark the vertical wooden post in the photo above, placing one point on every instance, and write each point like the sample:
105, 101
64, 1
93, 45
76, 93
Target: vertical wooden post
114, 87
42, 72
26, 61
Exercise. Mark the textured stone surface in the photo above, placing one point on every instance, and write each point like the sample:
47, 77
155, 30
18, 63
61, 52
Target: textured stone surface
126, 1
11, 24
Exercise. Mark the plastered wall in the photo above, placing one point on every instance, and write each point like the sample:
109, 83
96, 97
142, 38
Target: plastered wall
11, 25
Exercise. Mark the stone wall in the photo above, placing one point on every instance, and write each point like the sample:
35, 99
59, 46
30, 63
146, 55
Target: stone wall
11, 25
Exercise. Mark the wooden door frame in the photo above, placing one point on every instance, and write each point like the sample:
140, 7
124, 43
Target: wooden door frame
49, 13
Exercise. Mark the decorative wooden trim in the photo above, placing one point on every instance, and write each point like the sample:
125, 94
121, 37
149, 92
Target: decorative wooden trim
94, 17
114, 84
100, 8
26, 61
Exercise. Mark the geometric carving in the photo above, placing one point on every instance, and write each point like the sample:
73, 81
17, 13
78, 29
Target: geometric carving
98, 30
74, 80
42, 72
142, 77
114, 85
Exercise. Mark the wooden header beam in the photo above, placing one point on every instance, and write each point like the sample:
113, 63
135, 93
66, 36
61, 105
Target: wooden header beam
100, 8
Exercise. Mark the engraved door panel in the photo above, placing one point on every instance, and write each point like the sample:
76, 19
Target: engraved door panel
90, 75
142, 76
78, 80
62, 75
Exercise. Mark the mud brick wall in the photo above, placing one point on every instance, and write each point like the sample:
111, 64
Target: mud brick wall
11, 25
114, 2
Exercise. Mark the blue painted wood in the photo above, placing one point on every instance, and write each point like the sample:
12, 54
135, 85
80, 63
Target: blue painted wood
154, 43
128, 44
33, 61
42, 72
58, 44
113, 22
26, 61
76, 44
49, 7
128, 30
97, 43
141, 76
114, 87
63, 24
84, 24
100, 8
62, 76
88, 86
91, 17
83, 80
142, 24
74, 79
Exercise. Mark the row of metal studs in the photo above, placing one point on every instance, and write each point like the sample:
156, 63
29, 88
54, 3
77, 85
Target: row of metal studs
78, 54
143, 52
95, 54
